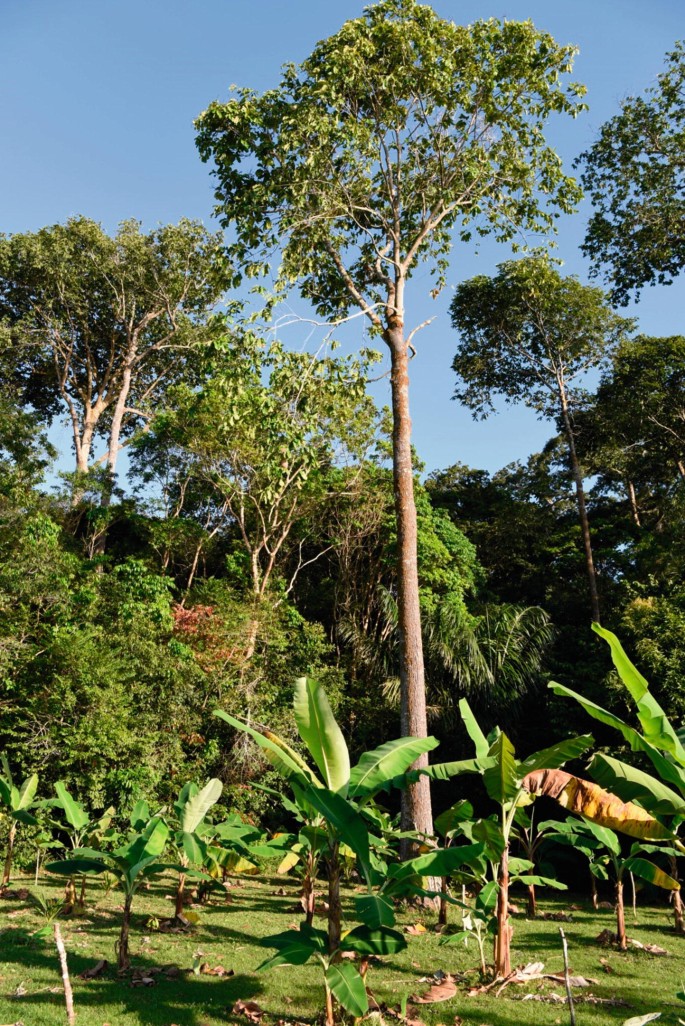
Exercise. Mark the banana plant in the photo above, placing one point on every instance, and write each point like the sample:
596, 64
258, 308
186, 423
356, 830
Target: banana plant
504, 779
339, 794
132, 865
17, 801
530, 837
662, 795
82, 830
188, 817
449, 825
604, 847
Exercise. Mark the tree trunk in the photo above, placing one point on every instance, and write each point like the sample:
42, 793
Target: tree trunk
633, 504
620, 918
593, 891
416, 799
8, 857
504, 930
532, 903
582, 508
123, 960
69, 897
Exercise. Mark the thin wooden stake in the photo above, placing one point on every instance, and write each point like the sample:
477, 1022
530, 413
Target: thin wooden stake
68, 994
567, 981
632, 882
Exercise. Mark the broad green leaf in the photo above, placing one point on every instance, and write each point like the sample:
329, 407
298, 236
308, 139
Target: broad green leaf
294, 947
379, 768
669, 771
487, 896
605, 836
374, 911
74, 867
653, 719
28, 792
633, 784
194, 850
538, 881
501, 777
140, 815
648, 871
379, 940
490, 833
287, 761
321, 734
441, 862
24, 817
556, 755
348, 988
198, 805
346, 822
475, 733
77, 816
445, 770
449, 821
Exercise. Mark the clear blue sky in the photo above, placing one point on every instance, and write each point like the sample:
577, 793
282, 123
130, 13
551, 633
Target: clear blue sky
99, 96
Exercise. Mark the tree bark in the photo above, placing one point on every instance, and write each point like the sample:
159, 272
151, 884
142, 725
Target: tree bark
633, 504
593, 891
504, 930
416, 799
532, 903
582, 508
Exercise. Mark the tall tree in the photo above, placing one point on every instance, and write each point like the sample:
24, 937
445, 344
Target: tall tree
397, 133
106, 324
530, 335
635, 176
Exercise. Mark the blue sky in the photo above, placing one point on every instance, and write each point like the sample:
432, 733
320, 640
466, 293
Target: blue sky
98, 100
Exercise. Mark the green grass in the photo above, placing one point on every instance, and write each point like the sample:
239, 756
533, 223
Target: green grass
227, 935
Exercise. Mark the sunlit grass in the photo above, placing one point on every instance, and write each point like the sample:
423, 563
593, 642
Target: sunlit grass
228, 933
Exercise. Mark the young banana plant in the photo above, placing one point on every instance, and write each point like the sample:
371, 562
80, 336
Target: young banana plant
132, 865
82, 830
662, 795
337, 794
17, 803
603, 848
504, 778
189, 846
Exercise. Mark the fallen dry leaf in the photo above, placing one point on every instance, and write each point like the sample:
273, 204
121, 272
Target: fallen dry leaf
415, 929
653, 949
250, 1009
443, 990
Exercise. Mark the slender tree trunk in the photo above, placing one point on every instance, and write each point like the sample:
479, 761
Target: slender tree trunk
620, 917
593, 891
123, 959
416, 799
633, 504
582, 508
11, 838
82, 893
69, 896
68, 994
532, 903
115, 431
504, 930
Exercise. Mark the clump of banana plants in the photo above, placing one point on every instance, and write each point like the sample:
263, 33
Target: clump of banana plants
17, 803
338, 797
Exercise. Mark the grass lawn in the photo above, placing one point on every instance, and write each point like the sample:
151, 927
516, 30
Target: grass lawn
227, 935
